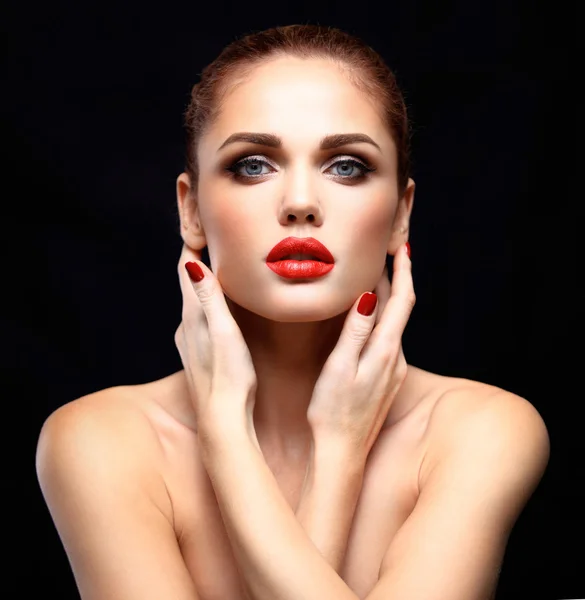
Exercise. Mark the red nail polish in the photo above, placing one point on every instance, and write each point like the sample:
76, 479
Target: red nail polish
195, 271
367, 304
408, 249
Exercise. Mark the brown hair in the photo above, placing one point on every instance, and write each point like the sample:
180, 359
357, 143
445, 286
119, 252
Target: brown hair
364, 67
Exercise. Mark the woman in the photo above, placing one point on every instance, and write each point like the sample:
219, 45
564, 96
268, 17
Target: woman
297, 455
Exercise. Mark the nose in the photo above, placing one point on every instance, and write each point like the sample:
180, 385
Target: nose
300, 204
300, 216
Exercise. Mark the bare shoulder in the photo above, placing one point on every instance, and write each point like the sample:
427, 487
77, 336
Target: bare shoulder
486, 451
471, 420
98, 463
467, 403
113, 410
114, 423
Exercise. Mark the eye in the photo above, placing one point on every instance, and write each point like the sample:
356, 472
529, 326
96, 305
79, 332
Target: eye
252, 168
349, 164
252, 165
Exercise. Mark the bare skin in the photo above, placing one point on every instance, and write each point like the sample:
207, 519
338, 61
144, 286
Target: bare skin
389, 492
123, 478
300, 190
122, 470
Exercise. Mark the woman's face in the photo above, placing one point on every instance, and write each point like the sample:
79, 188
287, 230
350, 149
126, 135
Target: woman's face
298, 190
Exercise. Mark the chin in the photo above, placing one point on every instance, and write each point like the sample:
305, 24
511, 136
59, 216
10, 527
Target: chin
296, 312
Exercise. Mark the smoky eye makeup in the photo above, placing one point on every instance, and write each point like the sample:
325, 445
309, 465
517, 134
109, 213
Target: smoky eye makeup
348, 167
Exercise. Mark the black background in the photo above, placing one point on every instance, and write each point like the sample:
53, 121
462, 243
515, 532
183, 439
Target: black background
92, 128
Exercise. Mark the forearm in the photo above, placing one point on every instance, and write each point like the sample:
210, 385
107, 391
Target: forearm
276, 557
329, 498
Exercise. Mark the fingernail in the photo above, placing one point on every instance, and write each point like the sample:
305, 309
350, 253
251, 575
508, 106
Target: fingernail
367, 304
407, 248
195, 272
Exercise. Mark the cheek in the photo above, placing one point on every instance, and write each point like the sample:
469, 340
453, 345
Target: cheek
227, 227
371, 227
234, 238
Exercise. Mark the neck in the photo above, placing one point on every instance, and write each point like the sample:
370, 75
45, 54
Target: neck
288, 358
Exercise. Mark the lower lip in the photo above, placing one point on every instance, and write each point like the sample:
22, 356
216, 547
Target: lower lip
300, 269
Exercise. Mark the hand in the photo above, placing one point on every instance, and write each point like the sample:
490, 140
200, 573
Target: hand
365, 370
217, 361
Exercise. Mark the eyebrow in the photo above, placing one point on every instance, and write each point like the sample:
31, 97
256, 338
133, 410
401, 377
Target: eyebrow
329, 141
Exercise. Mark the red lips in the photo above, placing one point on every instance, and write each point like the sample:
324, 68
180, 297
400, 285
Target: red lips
292, 245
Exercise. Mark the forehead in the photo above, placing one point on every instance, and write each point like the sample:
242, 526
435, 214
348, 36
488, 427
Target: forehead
296, 99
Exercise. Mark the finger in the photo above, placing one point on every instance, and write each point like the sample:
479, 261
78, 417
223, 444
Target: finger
187, 255
355, 333
202, 292
388, 334
383, 290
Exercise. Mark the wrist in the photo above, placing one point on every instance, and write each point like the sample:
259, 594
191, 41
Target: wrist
337, 453
218, 433
333, 466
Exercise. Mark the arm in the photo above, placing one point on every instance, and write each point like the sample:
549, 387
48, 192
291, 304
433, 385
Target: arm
110, 508
472, 491
329, 498
490, 455
274, 554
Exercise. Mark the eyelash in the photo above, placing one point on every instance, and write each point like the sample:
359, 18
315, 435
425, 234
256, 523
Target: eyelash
234, 167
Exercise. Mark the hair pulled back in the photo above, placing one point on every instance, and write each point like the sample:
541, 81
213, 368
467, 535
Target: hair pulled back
363, 66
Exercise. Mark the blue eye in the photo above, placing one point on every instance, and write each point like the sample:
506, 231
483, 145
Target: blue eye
353, 164
247, 162
255, 165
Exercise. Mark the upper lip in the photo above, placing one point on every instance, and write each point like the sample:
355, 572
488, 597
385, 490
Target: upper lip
293, 245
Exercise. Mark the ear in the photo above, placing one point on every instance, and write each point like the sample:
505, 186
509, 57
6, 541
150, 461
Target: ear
400, 228
191, 229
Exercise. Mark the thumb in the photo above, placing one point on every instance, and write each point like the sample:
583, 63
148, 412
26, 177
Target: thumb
356, 330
